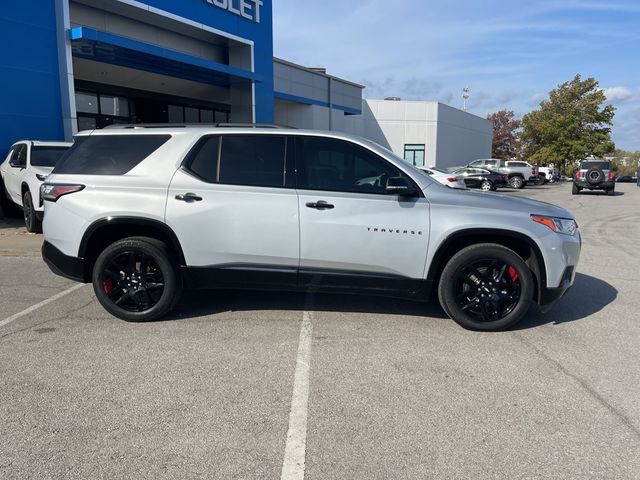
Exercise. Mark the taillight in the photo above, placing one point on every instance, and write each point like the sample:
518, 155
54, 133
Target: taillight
52, 192
578, 175
502, 178
612, 175
533, 171
452, 180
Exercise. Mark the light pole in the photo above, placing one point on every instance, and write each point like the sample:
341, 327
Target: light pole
465, 96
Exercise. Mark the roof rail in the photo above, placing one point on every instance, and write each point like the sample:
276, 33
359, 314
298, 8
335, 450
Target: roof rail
253, 125
186, 125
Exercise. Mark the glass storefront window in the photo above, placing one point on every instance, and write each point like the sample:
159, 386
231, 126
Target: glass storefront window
206, 116
86, 102
176, 114
191, 115
221, 117
116, 106
86, 123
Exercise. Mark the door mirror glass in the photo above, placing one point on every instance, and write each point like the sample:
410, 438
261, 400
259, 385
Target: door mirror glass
399, 186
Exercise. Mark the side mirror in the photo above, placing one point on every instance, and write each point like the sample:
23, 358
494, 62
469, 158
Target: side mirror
400, 186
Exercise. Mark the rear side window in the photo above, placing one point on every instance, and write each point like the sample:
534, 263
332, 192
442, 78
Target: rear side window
46, 156
517, 164
602, 165
252, 160
108, 154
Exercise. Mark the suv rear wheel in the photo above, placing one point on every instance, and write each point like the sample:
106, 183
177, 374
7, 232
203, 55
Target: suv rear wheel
136, 279
486, 287
31, 220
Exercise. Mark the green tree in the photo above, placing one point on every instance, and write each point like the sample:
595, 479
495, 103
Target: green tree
505, 134
572, 124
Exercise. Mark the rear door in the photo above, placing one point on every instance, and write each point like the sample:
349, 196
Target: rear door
13, 174
235, 211
352, 234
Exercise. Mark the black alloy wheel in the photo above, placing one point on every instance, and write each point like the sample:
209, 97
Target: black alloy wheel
486, 287
31, 220
136, 279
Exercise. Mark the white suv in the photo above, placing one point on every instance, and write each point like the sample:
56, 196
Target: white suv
142, 212
24, 169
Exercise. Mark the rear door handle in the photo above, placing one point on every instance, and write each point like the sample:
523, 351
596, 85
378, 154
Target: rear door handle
320, 205
188, 197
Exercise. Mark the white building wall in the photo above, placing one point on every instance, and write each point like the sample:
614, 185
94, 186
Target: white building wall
451, 137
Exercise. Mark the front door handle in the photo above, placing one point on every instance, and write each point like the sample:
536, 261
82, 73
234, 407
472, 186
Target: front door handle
320, 205
188, 197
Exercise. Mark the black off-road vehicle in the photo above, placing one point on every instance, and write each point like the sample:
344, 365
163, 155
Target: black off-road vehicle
594, 175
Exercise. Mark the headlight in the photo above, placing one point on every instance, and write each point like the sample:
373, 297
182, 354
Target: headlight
566, 226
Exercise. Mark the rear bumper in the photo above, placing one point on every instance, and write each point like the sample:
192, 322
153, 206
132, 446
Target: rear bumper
598, 186
63, 265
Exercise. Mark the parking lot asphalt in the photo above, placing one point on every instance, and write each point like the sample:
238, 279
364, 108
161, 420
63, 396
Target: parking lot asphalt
395, 389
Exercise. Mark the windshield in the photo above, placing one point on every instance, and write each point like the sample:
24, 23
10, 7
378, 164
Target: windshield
46, 156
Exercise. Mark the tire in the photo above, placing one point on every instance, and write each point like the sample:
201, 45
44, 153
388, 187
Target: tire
31, 219
136, 261
7, 207
611, 191
486, 186
516, 182
486, 287
575, 190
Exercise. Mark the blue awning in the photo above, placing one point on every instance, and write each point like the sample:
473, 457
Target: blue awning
106, 47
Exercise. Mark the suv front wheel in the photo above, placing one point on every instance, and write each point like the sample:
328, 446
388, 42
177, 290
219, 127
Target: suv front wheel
136, 279
486, 287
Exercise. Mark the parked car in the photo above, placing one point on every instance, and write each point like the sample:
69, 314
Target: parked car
482, 178
24, 169
625, 179
444, 178
548, 174
518, 172
594, 175
142, 212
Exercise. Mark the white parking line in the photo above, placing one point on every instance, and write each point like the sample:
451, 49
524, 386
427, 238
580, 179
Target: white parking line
295, 449
27, 311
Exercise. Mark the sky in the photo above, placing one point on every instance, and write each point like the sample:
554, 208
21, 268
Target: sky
509, 53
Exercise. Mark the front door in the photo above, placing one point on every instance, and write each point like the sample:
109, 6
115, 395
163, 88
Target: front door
234, 212
353, 234
13, 176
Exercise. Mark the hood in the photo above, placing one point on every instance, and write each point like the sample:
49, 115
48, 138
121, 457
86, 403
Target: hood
493, 201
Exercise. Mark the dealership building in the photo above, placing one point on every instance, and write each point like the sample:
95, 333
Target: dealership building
70, 65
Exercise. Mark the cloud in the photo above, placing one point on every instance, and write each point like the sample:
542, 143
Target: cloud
617, 94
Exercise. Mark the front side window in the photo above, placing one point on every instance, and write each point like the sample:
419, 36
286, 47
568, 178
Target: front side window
336, 165
19, 157
414, 154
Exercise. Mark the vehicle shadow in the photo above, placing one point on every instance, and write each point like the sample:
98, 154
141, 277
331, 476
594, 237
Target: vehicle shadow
600, 193
200, 303
587, 296
10, 222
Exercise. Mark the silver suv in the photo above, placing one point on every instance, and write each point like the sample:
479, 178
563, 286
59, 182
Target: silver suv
143, 212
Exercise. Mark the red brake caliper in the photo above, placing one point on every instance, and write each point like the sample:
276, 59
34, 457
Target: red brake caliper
513, 274
107, 286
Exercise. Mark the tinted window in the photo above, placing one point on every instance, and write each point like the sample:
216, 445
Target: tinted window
203, 160
108, 154
20, 155
602, 165
517, 164
490, 162
328, 164
46, 156
252, 160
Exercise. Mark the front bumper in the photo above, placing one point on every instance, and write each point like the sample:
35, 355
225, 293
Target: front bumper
598, 186
549, 296
63, 265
